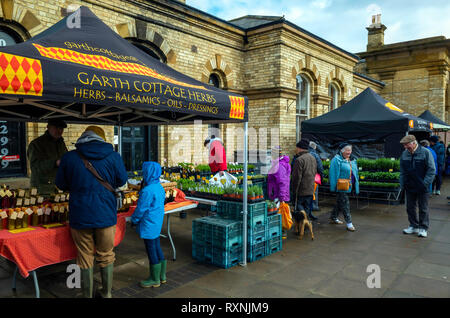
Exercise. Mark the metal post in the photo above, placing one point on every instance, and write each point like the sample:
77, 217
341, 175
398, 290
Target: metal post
120, 140
244, 232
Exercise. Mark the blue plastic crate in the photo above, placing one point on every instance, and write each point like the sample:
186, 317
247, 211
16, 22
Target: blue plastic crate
233, 210
256, 251
224, 258
220, 233
274, 245
256, 234
274, 227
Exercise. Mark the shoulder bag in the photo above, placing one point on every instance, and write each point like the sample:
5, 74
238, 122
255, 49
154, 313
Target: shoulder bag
117, 194
344, 184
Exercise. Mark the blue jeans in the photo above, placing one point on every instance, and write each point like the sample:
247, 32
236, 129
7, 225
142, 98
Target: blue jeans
154, 251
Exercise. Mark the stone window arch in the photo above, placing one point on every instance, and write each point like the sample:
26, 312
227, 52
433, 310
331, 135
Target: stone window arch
221, 70
149, 48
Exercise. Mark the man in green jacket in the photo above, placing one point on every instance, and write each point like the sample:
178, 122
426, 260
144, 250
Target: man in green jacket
44, 154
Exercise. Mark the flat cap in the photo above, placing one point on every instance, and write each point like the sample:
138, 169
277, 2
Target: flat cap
407, 139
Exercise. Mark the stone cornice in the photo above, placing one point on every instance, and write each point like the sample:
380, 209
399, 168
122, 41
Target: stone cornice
271, 92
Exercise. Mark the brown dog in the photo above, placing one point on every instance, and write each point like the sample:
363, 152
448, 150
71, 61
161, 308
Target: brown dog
300, 226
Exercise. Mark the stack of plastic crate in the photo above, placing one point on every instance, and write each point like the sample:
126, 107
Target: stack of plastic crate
217, 241
257, 229
274, 235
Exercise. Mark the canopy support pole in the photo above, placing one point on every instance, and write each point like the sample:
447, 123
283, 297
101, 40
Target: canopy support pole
244, 223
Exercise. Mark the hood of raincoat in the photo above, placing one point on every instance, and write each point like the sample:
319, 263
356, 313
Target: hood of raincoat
93, 146
151, 171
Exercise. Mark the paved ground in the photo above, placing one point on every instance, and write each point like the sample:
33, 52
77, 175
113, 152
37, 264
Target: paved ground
333, 265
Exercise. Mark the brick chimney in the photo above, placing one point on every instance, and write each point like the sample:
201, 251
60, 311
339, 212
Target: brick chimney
376, 30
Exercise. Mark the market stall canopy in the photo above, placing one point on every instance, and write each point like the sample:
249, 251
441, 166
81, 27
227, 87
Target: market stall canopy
81, 71
437, 123
372, 124
366, 114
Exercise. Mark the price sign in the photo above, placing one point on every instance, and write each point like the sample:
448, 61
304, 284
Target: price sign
20, 214
40, 199
3, 214
32, 200
33, 191
48, 211
19, 202
40, 212
29, 211
13, 215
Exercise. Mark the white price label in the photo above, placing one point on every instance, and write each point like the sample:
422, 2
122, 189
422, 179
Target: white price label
21, 193
61, 209
128, 200
3, 214
8, 193
29, 211
40, 199
33, 201
67, 197
57, 198
27, 201
48, 211
19, 202
13, 215
40, 212
33, 191
2, 193
20, 215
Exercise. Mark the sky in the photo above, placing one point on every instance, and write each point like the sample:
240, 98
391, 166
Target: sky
344, 22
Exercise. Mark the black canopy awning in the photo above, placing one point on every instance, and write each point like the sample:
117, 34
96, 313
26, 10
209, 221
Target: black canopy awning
437, 123
366, 114
79, 70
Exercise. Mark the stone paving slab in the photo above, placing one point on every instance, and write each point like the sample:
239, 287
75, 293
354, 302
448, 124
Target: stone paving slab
334, 264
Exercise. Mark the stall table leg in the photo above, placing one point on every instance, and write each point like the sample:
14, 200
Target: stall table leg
36, 284
170, 238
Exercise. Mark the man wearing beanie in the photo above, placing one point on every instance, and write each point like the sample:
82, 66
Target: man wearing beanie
92, 207
417, 172
302, 185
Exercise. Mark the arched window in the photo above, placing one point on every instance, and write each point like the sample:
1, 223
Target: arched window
333, 92
214, 80
303, 101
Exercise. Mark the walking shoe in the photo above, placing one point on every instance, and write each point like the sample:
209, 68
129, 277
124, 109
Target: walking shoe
422, 233
350, 227
336, 221
411, 230
438, 192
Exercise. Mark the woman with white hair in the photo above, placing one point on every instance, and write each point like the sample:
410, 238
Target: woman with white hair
343, 179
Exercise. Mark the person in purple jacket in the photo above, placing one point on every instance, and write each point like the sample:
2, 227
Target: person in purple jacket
279, 178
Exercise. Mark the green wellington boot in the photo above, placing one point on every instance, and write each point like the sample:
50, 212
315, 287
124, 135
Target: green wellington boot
154, 279
163, 271
87, 282
107, 279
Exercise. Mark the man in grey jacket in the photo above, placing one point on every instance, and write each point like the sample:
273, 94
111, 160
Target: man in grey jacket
417, 172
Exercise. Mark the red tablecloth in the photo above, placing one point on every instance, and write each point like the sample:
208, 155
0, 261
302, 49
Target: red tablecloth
41, 247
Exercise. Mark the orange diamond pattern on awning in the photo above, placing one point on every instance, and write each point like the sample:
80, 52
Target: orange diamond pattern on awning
20, 75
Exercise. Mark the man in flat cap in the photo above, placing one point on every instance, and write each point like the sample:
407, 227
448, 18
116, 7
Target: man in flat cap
44, 154
417, 172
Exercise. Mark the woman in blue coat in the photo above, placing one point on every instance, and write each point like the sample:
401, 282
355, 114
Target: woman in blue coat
148, 217
342, 167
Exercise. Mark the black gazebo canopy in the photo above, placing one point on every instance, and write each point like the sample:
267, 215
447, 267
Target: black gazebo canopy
86, 73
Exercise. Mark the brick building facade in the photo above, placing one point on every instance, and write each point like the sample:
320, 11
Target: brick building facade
287, 73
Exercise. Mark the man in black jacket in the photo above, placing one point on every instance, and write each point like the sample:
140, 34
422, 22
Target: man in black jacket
417, 172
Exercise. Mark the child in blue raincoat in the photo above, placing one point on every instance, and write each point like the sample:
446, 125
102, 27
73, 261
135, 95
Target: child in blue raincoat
148, 217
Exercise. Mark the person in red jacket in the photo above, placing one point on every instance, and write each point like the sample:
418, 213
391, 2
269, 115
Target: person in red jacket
217, 157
